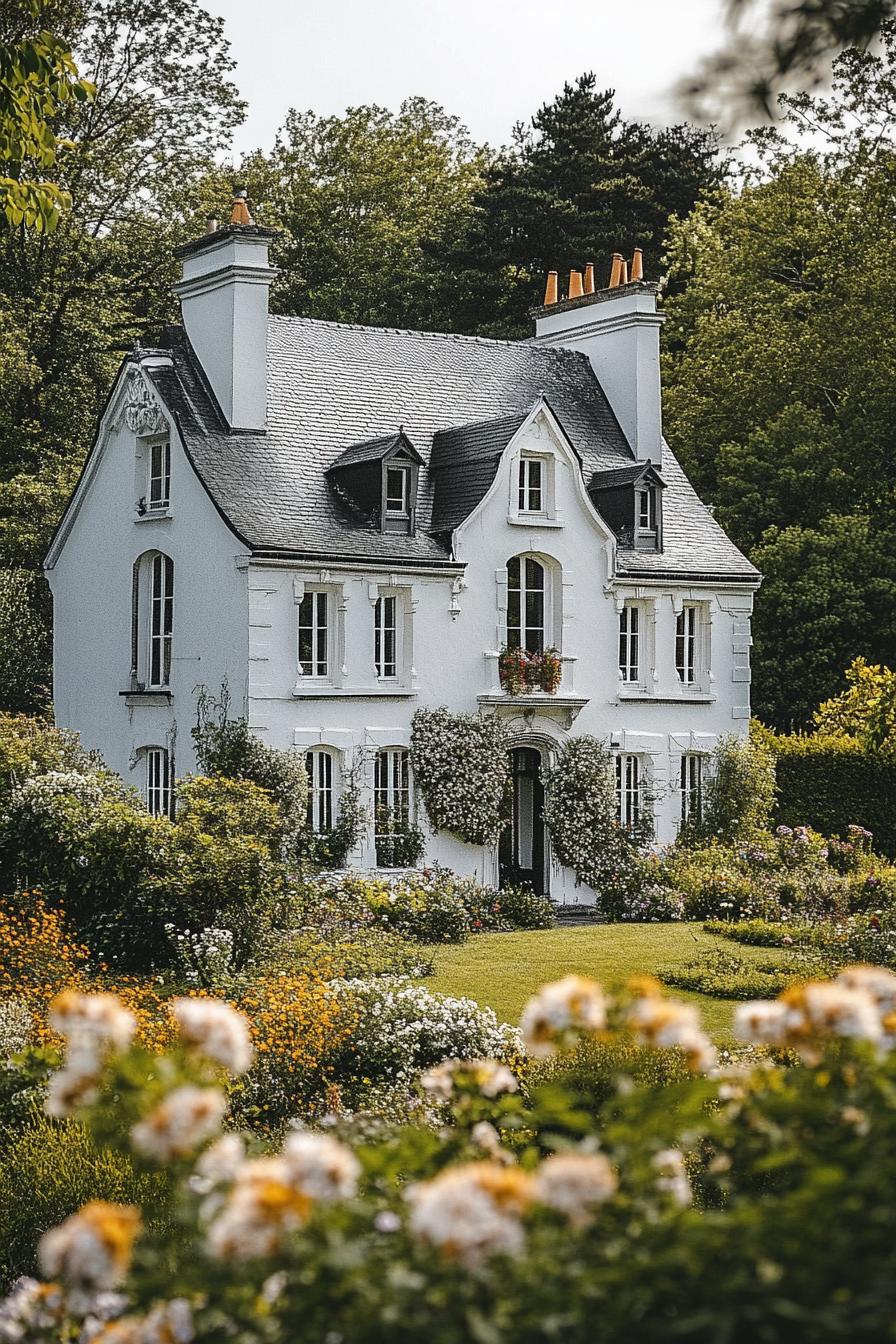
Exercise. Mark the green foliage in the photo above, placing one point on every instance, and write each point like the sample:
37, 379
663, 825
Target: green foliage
866, 710
400, 843
362, 952
48, 1170
32, 746
25, 642
333, 848
834, 782
225, 746
739, 792
593, 1072
38, 78
461, 769
581, 815
229, 808
725, 975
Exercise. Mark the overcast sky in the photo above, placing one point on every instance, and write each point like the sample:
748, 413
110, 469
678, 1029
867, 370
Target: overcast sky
490, 62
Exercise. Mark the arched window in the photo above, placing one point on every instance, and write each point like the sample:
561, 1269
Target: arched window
391, 805
159, 787
319, 764
152, 620
526, 604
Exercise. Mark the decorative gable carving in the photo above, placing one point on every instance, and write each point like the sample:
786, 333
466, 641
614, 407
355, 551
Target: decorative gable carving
142, 412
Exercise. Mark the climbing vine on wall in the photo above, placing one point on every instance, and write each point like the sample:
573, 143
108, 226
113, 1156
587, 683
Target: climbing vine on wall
461, 771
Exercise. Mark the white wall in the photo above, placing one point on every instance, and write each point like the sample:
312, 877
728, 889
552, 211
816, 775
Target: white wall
91, 584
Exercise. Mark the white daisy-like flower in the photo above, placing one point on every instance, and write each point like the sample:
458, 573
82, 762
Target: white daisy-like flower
667, 1024
222, 1161
762, 1022
180, 1124
841, 1011
216, 1029
573, 1004
264, 1205
321, 1166
874, 980
91, 1249
575, 1184
98, 1020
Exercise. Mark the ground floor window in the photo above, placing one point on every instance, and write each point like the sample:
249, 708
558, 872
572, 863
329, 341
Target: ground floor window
319, 765
159, 782
628, 789
392, 806
691, 788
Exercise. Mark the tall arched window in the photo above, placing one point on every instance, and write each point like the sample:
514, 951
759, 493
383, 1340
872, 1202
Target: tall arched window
319, 764
526, 593
152, 620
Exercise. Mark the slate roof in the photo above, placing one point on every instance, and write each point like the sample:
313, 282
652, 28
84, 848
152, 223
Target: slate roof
374, 450
611, 480
332, 386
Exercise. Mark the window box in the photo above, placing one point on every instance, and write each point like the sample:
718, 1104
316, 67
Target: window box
520, 671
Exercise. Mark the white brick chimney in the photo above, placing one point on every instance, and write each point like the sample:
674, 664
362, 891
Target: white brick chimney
619, 330
223, 295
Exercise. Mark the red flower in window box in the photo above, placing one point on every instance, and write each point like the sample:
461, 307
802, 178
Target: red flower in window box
550, 671
514, 670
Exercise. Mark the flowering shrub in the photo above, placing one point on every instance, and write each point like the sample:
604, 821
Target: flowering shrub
520, 671
680, 1190
739, 792
461, 768
581, 815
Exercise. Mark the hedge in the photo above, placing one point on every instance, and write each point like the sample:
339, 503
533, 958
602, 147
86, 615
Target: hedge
830, 783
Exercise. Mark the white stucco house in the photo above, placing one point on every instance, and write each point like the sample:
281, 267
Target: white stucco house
346, 523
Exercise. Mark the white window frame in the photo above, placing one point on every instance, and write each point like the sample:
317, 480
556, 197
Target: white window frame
387, 626
322, 794
522, 638
158, 478
404, 509
687, 644
630, 643
532, 485
691, 784
159, 782
160, 634
629, 789
647, 495
319, 628
392, 787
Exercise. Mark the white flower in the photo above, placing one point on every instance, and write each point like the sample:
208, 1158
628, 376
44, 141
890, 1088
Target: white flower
97, 1020
667, 1024
216, 1029
874, 980
575, 1183
486, 1137
264, 1204
841, 1011
223, 1160
321, 1166
490, 1076
92, 1248
571, 1004
762, 1022
168, 1323
472, 1211
180, 1124
29, 1308
672, 1176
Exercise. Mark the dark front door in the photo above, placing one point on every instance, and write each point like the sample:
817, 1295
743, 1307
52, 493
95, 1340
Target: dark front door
521, 852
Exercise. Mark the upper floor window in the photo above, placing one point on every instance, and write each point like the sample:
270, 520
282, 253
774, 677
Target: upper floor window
392, 805
526, 604
398, 491
158, 494
161, 619
647, 508
531, 485
314, 660
686, 645
159, 790
386, 636
691, 788
629, 642
319, 765
628, 790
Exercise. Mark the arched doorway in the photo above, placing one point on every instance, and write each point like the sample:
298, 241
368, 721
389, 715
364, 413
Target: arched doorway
522, 851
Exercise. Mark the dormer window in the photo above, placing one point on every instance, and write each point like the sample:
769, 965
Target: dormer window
398, 492
531, 492
631, 501
647, 509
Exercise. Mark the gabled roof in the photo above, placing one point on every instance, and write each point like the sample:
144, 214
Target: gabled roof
374, 450
463, 465
618, 476
333, 387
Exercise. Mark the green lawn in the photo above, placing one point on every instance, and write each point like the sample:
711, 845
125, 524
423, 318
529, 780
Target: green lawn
501, 970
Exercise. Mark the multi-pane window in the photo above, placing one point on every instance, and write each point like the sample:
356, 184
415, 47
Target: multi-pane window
686, 645
391, 805
161, 619
629, 640
525, 604
319, 765
628, 789
159, 791
313, 638
159, 474
386, 636
647, 509
531, 486
398, 480
691, 788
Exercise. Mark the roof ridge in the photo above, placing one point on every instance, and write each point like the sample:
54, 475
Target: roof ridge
489, 420
528, 341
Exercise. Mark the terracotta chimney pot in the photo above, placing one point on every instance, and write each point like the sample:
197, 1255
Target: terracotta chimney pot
623, 272
616, 270
575, 285
550, 289
240, 212
638, 264
589, 278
